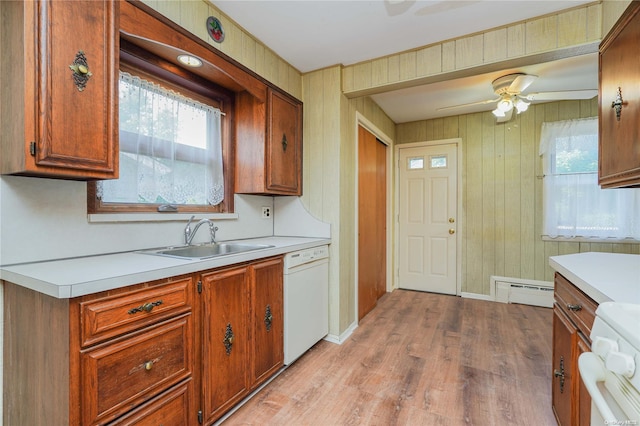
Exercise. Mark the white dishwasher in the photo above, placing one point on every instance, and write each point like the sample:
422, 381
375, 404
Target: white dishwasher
306, 300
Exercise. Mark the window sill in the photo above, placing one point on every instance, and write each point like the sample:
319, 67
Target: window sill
155, 217
590, 240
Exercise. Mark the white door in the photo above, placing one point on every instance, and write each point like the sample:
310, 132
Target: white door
427, 218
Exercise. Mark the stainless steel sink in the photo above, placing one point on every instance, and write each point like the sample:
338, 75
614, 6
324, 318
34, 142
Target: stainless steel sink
205, 251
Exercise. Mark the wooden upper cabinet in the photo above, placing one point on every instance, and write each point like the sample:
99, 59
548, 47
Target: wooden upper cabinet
619, 138
284, 144
269, 145
58, 121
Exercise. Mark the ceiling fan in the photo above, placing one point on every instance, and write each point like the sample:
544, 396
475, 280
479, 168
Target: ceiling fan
509, 90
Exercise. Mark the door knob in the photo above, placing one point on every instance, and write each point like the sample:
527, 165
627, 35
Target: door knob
452, 231
451, 220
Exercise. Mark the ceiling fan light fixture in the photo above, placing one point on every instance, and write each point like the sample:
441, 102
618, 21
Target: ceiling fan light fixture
498, 113
505, 104
521, 106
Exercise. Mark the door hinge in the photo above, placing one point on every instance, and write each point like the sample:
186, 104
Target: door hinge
32, 149
199, 286
200, 416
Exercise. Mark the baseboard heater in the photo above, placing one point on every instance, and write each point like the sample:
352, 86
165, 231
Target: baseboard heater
527, 292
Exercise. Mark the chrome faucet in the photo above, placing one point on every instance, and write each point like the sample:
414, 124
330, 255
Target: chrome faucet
189, 234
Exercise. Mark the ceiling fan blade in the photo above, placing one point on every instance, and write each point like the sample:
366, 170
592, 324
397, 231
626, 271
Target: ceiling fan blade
561, 96
469, 104
521, 82
507, 116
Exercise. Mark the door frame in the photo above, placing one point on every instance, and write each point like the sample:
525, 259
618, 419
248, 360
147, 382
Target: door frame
460, 213
361, 120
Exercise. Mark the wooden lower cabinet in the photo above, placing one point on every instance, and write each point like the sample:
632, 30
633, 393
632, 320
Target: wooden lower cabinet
573, 316
564, 337
169, 409
225, 340
267, 328
242, 332
149, 354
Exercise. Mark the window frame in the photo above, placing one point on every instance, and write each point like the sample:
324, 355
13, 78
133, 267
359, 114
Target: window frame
140, 62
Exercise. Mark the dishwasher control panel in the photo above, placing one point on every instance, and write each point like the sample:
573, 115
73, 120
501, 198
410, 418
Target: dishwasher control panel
301, 257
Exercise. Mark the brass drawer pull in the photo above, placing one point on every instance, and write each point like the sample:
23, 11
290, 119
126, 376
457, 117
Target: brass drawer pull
147, 307
148, 365
574, 308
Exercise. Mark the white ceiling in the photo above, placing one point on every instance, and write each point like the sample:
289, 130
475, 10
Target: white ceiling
312, 34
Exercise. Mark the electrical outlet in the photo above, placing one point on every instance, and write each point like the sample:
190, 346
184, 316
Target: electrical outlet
266, 212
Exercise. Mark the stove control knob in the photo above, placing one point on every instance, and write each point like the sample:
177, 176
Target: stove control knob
601, 346
620, 363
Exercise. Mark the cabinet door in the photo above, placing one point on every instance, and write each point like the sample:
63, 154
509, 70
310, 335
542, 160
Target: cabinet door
225, 340
268, 324
619, 142
75, 125
284, 145
564, 340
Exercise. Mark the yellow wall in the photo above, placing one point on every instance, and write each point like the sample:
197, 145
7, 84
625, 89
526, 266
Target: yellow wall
329, 179
238, 43
502, 194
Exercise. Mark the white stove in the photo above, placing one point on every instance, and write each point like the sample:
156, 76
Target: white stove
611, 372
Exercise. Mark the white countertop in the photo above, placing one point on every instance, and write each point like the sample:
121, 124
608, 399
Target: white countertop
67, 278
602, 276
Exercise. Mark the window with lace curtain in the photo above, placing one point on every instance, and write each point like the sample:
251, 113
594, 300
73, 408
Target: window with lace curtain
574, 205
172, 143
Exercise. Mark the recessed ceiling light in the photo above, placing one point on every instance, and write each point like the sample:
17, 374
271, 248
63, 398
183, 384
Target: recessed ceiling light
190, 61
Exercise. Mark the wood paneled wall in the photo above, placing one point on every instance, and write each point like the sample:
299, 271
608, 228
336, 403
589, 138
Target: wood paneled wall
329, 180
502, 171
549, 33
502, 192
238, 43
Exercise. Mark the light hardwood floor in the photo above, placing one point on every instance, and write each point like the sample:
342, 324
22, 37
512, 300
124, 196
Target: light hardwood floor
420, 359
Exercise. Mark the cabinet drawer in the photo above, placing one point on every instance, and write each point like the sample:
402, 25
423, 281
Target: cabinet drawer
123, 374
168, 409
112, 316
577, 305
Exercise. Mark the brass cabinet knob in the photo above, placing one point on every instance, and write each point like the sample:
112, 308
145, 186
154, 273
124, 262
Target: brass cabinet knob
451, 220
82, 69
452, 231
148, 365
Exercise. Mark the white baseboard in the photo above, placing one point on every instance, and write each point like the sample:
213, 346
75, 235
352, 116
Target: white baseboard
477, 296
340, 339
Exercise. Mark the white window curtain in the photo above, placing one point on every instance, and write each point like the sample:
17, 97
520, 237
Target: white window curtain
170, 148
574, 205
